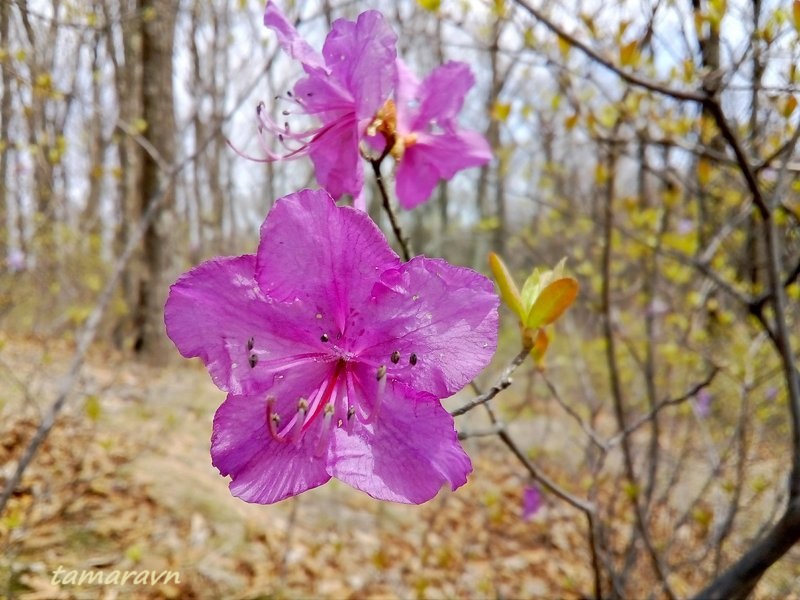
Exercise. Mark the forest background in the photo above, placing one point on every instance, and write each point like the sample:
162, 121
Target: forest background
653, 144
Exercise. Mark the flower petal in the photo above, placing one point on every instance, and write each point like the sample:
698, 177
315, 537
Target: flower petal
290, 40
322, 96
262, 469
441, 95
361, 55
406, 454
406, 97
434, 157
327, 256
445, 316
217, 312
337, 162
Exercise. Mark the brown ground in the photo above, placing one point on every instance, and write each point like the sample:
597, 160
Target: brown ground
125, 483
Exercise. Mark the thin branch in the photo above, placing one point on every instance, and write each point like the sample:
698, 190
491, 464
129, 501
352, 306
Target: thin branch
398, 233
587, 508
653, 86
534, 471
590, 433
486, 432
502, 383
689, 394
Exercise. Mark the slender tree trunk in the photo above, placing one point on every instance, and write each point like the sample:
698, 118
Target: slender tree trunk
754, 252
158, 30
5, 118
97, 148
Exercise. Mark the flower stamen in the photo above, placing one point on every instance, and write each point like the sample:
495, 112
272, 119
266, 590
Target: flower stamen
325, 431
381, 376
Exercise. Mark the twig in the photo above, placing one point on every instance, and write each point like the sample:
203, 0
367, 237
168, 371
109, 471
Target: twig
486, 432
590, 433
596, 57
502, 383
398, 233
690, 393
587, 508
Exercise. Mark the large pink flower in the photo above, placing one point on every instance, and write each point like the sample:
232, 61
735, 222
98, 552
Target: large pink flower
345, 86
431, 146
335, 355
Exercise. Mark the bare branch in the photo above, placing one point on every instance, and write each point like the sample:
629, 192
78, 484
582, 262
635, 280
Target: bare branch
502, 383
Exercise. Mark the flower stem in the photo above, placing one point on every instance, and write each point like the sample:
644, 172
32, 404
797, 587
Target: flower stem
398, 233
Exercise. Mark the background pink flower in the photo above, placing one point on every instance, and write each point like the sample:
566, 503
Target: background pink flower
433, 147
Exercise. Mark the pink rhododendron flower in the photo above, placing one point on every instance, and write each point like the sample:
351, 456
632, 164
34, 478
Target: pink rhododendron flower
345, 86
430, 146
349, 88
335, 355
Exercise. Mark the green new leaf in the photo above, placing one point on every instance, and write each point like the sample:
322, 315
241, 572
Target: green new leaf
552, 302
508, 289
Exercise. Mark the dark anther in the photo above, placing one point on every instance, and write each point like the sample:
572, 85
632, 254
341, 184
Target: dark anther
350, 412
309, 94
250, 343
285, 113
324, 337
280, 137
412, 359
289, 93
253, 360
381, 372
396, 357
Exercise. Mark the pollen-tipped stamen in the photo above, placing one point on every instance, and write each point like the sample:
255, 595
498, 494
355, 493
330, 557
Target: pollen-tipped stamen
273, 419
300, 419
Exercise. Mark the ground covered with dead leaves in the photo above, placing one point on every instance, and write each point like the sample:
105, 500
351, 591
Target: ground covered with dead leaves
124, 483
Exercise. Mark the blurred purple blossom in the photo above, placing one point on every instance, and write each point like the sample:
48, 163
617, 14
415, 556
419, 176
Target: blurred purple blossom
532, 501
430, 145
657, 307
685, 226
16, 261
702, 403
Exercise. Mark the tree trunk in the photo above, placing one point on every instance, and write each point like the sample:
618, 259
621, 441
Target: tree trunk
157, 35
5, 117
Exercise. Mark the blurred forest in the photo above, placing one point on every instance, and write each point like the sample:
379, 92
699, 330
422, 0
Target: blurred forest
653, 144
